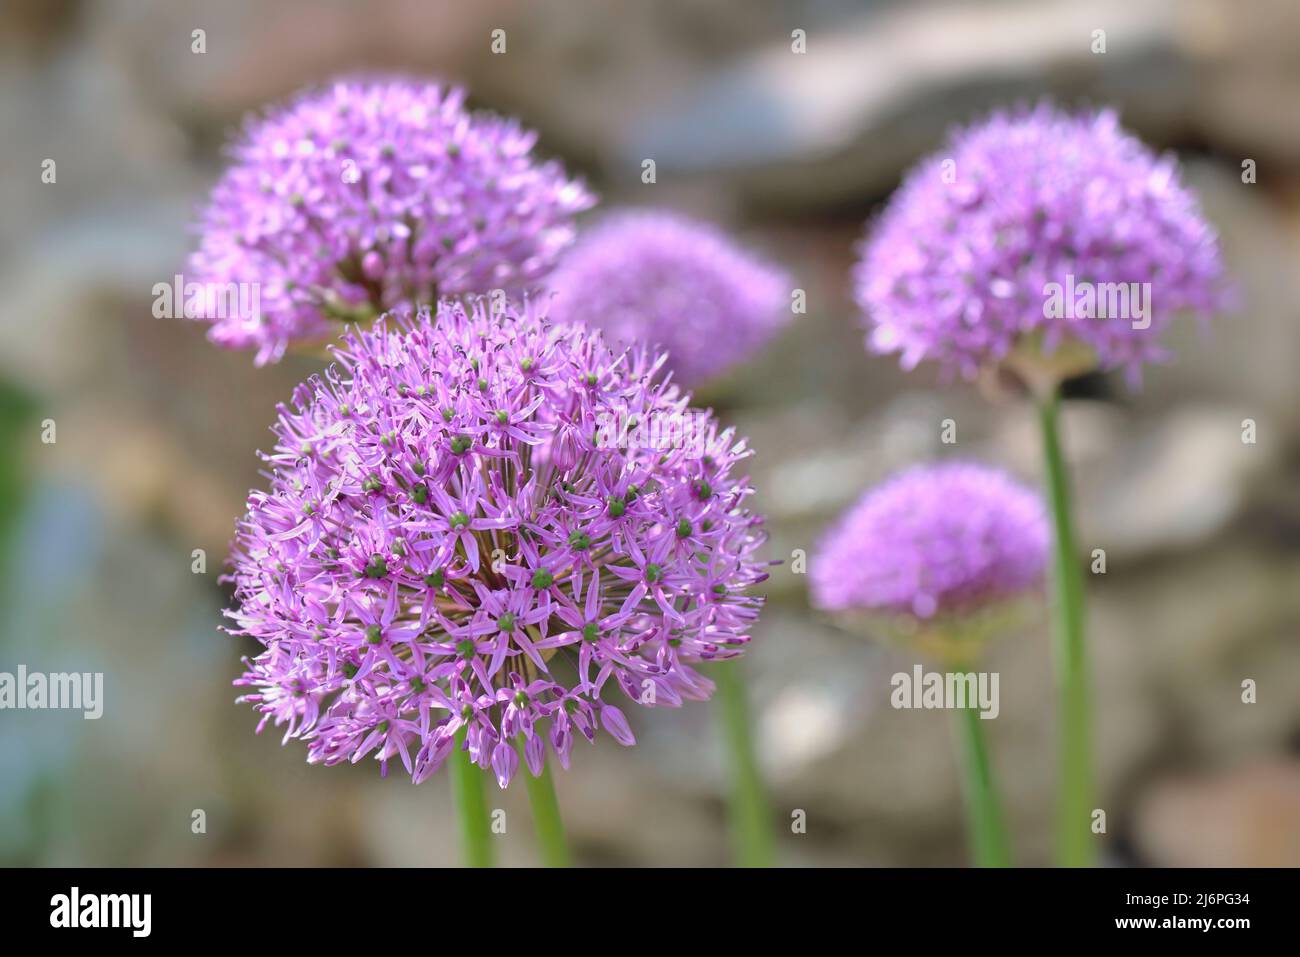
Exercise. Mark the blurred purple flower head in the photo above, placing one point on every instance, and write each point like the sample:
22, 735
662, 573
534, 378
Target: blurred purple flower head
451, 539
665, 279
960, 267
372, 194
935, 539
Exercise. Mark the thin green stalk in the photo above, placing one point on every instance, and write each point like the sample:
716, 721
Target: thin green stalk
1074, 800
987, 833
471, 806
551, 845
751, 818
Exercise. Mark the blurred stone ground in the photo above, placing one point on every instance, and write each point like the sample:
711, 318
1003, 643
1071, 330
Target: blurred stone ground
157, 430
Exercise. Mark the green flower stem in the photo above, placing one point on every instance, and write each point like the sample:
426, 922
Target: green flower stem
987, 832
551, 845
751, 818
471, 806
1074, 800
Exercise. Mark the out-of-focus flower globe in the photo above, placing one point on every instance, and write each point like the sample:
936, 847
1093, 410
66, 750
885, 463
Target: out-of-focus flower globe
934, 544
684, 285
459, 534
960, 267
371, 194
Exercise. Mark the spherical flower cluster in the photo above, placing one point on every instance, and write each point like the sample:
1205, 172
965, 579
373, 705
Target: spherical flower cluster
935, 539
684, 285
368, 195
467, 529
1011, 235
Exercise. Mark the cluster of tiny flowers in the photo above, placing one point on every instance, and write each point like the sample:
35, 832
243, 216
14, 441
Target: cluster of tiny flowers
371, 195
957, 270
935, 539
681, 284
447, 553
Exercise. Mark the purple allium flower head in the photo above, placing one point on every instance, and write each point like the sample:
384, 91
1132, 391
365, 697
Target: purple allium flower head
949, 538
684, 285
958, 267
458, 534
372, 194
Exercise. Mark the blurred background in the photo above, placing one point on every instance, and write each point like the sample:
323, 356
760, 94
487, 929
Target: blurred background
157, 429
